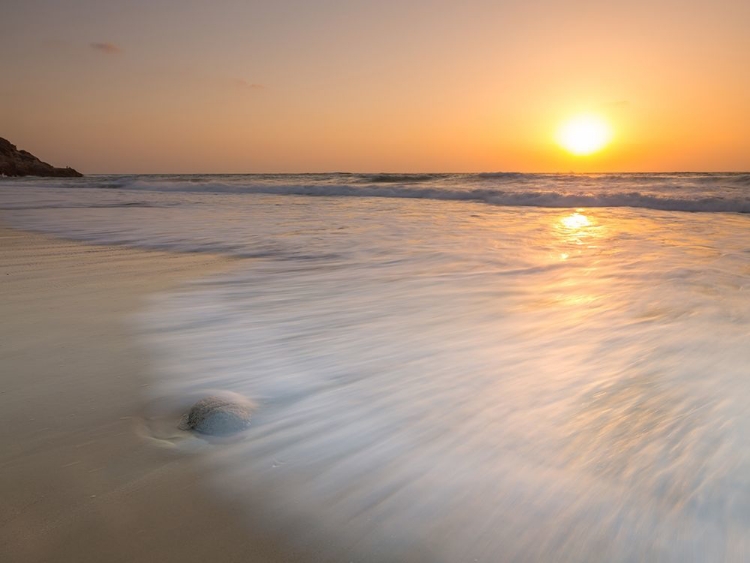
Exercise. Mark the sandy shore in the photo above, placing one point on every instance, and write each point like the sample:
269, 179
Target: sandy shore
77, 481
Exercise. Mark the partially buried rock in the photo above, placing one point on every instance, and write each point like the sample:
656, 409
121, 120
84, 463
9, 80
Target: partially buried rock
219, 416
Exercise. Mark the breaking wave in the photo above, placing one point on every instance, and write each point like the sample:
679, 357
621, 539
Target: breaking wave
493, 196
693, 192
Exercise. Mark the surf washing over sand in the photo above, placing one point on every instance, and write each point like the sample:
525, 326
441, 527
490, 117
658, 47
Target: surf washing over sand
493, 367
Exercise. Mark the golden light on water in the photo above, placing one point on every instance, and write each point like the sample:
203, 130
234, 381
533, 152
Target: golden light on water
584, 134
575, 232
575, 221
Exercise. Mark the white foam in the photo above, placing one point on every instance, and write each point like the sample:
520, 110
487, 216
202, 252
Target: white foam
497, 402
449, 380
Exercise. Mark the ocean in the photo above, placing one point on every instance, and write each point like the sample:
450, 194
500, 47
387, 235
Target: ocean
451, 367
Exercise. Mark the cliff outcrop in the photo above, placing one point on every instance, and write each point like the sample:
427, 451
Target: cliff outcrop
14, 162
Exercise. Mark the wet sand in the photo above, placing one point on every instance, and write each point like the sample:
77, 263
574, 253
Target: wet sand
77, 480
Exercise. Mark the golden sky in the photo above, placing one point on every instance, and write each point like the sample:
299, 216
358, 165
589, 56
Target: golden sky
180, 86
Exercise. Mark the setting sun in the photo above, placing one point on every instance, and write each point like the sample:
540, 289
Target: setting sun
584, 134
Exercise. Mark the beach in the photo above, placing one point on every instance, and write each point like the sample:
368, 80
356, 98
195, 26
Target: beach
79, 481
361, 282
448, 367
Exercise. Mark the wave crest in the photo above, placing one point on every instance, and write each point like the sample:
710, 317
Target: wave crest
694, 192
534, 197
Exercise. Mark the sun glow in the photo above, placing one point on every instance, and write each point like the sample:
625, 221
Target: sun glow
584, 134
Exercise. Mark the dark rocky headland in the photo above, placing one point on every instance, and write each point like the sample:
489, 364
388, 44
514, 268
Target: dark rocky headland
14, 162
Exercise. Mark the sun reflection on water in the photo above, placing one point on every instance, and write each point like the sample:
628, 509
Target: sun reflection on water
576, 239
575, 221
572, 230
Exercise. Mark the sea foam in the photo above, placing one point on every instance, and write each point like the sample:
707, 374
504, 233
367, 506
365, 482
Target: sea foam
446, 380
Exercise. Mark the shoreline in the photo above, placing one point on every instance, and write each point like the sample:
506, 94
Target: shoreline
80, 482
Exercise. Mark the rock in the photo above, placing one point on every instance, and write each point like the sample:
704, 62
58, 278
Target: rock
14, 162
219, 416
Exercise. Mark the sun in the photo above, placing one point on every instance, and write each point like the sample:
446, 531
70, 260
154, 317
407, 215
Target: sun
584, 134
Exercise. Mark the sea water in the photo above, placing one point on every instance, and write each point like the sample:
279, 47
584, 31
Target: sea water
492, 367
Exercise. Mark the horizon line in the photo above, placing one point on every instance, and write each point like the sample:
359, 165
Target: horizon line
342, 172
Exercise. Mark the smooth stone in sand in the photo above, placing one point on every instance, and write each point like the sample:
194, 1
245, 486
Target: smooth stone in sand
218, 416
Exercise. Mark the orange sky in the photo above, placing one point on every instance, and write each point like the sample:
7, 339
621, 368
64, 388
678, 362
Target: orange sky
273, 86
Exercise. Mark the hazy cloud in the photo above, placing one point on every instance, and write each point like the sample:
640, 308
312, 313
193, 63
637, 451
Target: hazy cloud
245, 85
108, 48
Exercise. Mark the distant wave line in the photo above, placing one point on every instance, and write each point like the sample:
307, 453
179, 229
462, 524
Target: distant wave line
511, 198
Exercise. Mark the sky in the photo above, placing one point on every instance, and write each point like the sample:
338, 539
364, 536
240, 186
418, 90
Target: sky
230, 86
